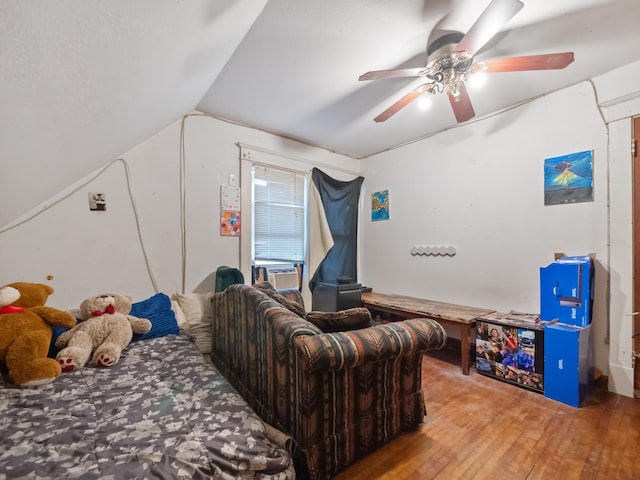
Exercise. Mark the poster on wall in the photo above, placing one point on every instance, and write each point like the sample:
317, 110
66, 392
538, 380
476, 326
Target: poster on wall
380, 205
229, 198
569, 178
97, 202
230, 224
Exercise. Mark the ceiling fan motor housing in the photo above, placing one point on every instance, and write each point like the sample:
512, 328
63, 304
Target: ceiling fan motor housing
447, 66
448, 39
442, 55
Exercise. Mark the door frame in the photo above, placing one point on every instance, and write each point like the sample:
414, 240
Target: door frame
636, 254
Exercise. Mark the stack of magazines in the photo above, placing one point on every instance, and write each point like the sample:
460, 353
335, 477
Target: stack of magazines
513, 315
523, 317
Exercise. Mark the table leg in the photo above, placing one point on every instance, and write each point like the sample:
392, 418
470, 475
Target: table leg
465, 331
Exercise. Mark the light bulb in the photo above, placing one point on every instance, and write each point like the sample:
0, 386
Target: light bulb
424, 102
477, 80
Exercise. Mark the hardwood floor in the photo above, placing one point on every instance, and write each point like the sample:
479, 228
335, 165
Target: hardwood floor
478, 428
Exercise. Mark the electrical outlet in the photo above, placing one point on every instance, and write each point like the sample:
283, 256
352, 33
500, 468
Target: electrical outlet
233, 180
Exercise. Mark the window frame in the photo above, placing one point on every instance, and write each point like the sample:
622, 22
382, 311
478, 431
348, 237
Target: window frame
337, 166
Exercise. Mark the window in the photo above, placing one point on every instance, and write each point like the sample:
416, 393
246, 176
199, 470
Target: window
279, 215
296, 240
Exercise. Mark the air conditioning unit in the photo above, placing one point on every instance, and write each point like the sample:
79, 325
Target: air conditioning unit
282, 278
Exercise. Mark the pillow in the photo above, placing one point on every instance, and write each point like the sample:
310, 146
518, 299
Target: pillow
342, 321
180, 318
198, 317
57, 331
157, 309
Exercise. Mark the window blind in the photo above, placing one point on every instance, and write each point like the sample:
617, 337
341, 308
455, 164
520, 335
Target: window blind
279, 214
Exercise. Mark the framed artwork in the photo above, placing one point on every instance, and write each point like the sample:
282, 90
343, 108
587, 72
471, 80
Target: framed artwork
380, 205
569, 178
230, 224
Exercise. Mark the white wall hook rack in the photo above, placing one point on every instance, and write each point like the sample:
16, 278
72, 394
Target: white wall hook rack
445, 251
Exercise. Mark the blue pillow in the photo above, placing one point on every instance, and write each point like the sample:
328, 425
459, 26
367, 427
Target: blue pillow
57, 331
157, 309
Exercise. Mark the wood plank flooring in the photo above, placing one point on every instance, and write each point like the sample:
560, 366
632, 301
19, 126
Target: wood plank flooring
480, 428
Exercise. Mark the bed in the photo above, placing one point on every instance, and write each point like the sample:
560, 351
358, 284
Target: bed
163, 411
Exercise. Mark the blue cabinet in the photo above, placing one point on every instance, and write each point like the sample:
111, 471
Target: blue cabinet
568, 363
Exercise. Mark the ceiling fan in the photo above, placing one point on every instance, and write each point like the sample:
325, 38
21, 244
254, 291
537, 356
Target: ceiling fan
450, 62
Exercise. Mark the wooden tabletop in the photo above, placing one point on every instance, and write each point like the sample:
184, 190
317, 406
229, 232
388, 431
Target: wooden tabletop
424, 308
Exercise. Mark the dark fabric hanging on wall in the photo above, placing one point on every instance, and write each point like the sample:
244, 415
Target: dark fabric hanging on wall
340, 204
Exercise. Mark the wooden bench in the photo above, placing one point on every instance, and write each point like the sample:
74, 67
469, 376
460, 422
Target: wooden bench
459, 316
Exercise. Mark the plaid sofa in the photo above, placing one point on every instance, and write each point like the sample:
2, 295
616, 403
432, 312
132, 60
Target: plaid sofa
338, 395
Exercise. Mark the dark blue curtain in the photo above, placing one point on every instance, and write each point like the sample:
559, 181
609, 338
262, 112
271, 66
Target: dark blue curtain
340, 204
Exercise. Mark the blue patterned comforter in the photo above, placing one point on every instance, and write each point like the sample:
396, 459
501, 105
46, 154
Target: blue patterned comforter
162, 412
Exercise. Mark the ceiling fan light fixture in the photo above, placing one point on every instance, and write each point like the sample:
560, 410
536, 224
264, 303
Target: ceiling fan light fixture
452, 89
479, 67
435, 87
451, 81
477, 79
450, 63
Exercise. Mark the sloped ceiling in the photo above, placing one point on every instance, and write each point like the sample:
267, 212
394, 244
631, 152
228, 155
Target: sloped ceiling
83, 81
296, 72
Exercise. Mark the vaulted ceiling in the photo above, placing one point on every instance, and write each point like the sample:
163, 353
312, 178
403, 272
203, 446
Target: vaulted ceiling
83, 81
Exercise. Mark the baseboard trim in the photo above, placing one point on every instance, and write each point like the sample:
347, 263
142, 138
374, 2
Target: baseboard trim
602, 383
621, 380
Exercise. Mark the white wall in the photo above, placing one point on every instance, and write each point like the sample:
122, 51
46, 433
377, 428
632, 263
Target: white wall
91, 252
479, 188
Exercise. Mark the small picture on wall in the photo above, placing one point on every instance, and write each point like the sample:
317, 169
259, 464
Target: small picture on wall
569, 178
380, 205
230, 224
97, 202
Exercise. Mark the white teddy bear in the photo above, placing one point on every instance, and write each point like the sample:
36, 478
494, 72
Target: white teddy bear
106, 329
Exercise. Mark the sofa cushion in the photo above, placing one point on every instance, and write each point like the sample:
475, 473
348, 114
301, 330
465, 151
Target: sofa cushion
342, 321
292, 305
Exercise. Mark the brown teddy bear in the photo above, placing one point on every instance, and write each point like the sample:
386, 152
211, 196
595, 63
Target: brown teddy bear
25, 333
106, 329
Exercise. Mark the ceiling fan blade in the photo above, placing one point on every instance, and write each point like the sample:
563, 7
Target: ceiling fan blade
550, 61
496, 15
403, 102
461, 105
401, 72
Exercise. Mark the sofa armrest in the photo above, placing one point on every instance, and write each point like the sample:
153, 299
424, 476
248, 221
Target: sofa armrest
343, 350
341, 321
